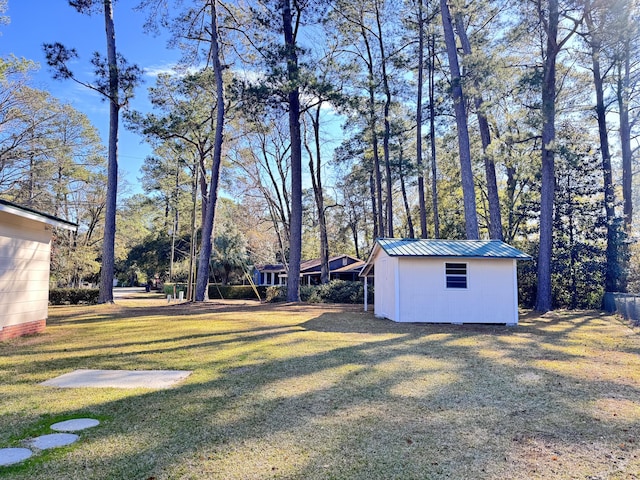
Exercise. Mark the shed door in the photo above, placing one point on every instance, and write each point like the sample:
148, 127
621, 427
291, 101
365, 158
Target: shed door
384, 288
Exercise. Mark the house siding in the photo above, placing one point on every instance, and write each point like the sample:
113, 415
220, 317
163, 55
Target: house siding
25, 249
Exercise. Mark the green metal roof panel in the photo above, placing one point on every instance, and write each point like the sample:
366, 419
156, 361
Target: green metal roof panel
396, 247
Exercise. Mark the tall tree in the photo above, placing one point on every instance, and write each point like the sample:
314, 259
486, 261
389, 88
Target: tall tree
468, 189
595, 19
384, 67
261, 160
495, 220
185, 113
315, 169
197, 32
549, 16
353, 22
578, 220
202, 273
295, 238
421, 21
115, 81
431, 48
625, 54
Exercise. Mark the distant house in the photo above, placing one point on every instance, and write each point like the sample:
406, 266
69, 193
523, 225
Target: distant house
341, 267
25, 253
445, 281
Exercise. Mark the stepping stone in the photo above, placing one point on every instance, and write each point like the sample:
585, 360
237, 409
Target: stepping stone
75, 425
9, 456
53, 440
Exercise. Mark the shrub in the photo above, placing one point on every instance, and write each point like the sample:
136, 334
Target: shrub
336, 291
341, 291
179, 287
224, 292
236, 292
276, 294
310, 293
73, 296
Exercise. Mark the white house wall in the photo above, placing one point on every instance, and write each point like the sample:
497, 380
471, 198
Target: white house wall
25, 248
490, 296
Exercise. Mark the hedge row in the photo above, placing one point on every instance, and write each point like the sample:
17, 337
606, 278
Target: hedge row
227, 292
336, 291
73, 296
236, 292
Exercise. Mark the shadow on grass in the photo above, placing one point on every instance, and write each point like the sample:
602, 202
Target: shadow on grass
123, 308
344, 395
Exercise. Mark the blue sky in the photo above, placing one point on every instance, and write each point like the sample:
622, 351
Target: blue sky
33, 23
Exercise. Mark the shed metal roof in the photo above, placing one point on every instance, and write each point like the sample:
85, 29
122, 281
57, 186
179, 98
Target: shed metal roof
403, 247
395, 247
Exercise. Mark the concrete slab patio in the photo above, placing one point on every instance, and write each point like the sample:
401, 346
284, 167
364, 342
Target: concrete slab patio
154, 379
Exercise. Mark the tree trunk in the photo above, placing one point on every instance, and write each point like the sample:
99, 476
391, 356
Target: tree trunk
495, 217
374, 212
405, 200
202, 274
378, 225
204, 186
466, 172
105, 294
432, 135
611, 269
510, 194
318, 194
421, 204
547, 193
192, 242
295, 239
625, 134
387, 125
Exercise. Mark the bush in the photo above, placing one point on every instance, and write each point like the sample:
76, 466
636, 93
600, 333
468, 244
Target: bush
336, 291
236, 292
310, 293
179, 287
276, 294
224, 292
341, 291
73, 296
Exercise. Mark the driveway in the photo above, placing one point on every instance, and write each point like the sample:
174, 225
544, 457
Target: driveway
127, 292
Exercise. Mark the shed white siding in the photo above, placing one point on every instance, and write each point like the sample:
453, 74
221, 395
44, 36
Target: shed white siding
385, 296
414, 289
25, 248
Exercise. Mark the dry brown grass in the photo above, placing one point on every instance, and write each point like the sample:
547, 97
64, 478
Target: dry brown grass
320, 392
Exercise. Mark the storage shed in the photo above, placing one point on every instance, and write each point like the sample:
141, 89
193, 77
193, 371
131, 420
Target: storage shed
444, 281
25, 252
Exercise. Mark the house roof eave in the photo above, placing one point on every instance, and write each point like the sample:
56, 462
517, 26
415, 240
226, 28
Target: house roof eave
31, 214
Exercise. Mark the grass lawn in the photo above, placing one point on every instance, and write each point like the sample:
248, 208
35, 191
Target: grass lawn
322, 392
